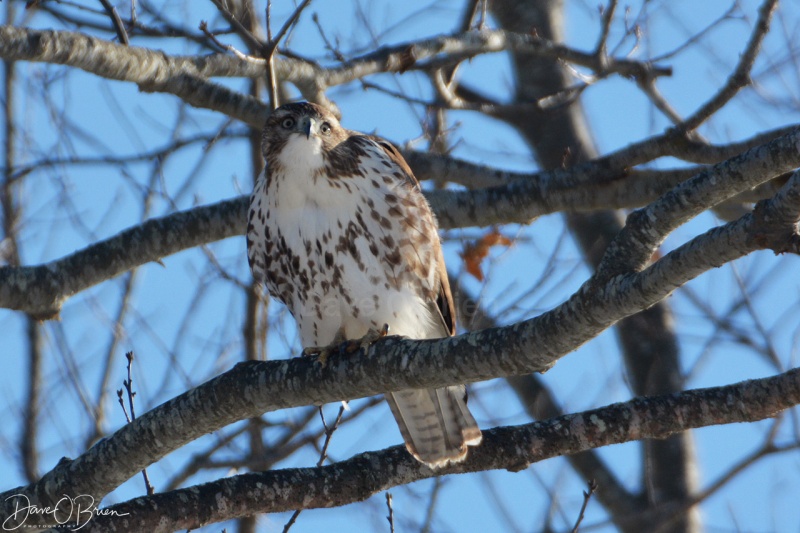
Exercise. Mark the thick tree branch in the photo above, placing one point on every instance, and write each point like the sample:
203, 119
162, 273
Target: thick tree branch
255, 387
560, 138
42, 289
606, 172
523, 200
508, 448
151, 70
540, 404
187, 77
425, 54
648, 227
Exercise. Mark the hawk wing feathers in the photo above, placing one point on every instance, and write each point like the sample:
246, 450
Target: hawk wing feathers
444, 298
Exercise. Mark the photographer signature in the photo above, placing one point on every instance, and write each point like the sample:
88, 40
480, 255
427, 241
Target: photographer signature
78, 509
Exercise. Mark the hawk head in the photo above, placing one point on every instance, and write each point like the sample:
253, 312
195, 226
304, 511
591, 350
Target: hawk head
299, 135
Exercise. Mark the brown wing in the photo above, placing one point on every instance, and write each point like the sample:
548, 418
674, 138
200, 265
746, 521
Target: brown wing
444, 297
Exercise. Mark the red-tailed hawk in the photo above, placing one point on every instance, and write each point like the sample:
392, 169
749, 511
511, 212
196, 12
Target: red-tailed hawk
340, 232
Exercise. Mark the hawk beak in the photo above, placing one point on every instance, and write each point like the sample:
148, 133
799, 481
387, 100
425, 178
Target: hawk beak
307, 126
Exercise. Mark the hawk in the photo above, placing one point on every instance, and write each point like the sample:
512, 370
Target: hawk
340, 232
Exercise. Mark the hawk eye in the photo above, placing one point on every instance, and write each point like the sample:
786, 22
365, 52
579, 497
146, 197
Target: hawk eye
325, 128
288, 123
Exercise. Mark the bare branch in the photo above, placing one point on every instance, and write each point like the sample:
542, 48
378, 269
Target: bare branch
607, 12
254, 387
186, 77
323, 454
523, 200
639, 240
151, 70
587, 495
509, 448
128, 383
119, 27
42, 289
390, 516
740, 77
252, 42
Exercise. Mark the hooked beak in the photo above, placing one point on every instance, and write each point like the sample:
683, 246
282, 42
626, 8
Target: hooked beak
308, 126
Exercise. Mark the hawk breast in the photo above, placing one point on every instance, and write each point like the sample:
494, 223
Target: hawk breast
349, 245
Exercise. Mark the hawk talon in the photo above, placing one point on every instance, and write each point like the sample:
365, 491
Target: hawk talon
322, 352
347, 347
372, 336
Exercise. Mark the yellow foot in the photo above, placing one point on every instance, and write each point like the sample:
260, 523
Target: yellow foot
371, 336
322, 352
346, 346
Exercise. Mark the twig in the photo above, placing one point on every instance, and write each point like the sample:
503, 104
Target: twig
122, 404
648, 86
269, 55
473, 8
292, 520
203, 26
694, 39
587, 495
128, 383
227, 47
334, 50
273, 43
119, 27
328, 433
741, 74
601, 50
269, 51
449, 74
323, 454
253, 42
451, 100
390, 518
432, 501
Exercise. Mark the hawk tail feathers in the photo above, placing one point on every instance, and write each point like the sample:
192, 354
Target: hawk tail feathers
435, 424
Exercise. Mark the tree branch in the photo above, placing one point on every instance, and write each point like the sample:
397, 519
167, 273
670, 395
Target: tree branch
42, 289
740, 77
508, 448
651, 225
523, 200
254, 387
187, 76
152, 71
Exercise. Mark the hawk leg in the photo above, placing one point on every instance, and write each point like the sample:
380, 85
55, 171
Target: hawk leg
346, 346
